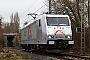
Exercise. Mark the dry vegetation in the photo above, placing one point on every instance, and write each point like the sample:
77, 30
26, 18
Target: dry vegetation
11, 55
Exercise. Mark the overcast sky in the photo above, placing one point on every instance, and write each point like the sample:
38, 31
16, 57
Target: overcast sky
23, 7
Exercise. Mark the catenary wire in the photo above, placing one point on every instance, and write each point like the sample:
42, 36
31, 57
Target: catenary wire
45, 3
36, 10
39, 8
29, 7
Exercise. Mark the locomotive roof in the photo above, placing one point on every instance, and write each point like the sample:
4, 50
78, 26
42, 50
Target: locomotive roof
56, 15
31, 21
47, 15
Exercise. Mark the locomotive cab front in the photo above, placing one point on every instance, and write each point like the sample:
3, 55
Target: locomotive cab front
59, 32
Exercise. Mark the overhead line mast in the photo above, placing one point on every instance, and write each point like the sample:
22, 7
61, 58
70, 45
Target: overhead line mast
84, 24
51, 6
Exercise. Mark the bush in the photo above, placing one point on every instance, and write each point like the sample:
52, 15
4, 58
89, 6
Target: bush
1, 42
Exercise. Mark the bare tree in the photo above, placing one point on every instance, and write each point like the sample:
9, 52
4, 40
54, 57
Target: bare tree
1, 33
70, 7
1, 18
16, 21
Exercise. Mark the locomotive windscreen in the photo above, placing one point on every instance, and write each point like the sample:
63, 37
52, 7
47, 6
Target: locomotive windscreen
55, 21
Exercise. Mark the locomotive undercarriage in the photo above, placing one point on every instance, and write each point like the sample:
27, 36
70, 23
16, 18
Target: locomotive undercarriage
59, 45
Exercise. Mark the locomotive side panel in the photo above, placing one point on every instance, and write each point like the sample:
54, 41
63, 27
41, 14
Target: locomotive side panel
43, 27
29, 34
32, 33
24, 35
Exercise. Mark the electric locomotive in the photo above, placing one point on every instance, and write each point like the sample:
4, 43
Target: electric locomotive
51, 32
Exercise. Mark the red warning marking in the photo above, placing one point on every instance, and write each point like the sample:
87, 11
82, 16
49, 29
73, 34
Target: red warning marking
29, 30
59, 31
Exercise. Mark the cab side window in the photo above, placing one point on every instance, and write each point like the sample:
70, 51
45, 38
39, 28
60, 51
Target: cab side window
39, 22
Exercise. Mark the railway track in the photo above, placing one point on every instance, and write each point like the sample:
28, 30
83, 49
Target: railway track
47, 56
64, 56
73, 57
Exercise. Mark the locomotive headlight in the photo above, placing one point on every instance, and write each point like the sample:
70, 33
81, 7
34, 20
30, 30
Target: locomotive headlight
50, 36
68, 37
